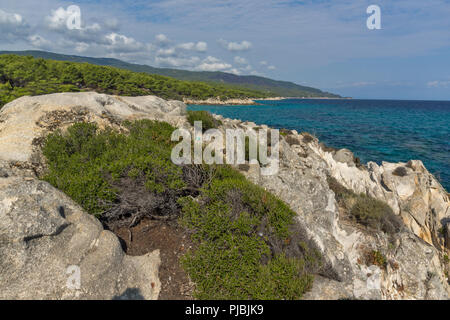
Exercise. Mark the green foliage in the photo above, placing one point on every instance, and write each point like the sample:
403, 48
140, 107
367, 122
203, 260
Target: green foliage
233, 223
25, 75
364, 209
374, 257
372, 212
259, 85
247, 243
84, 162
208, 121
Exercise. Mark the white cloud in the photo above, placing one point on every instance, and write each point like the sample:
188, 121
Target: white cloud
201, 46
60, 17
119, 42
236, 46
192, 46
264, 63
213, 64
175, 62
81, 47
235, 71
40, 42
170, 52
271, 67
438, 84
162, 39
356, 84
12, 26
240, 60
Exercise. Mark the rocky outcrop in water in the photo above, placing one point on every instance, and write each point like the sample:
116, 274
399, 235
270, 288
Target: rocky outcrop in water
43, 232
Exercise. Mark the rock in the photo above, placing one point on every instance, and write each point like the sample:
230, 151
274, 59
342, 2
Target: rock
327, 289
447, 235
217, 101
412, 192
42, 232
45, 238
344, 156
301, 182
25, 121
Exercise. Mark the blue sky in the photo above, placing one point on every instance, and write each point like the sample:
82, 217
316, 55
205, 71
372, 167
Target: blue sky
323, 44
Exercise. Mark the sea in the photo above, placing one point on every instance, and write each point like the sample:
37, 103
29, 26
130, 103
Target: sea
374, 130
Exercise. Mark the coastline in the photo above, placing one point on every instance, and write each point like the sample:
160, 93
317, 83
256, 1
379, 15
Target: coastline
312, 181
249, 101
229, 102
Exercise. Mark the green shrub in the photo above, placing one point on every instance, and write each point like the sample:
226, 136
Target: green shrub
208, 121
234, 224
247, 244
86, 163
400, 171
375, 213
374, 257
364, 209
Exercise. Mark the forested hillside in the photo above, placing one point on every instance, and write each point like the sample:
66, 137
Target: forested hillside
243, 82
25, 75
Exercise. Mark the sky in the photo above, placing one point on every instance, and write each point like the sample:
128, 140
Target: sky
324, 44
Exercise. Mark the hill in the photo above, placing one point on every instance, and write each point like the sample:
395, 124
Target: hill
25, 75
268, 86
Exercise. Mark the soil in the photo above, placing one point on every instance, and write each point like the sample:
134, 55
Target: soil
173, 242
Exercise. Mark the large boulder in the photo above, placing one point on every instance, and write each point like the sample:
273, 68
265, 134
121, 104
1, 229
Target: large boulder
410, 190
49, 247
46, 241
25, 121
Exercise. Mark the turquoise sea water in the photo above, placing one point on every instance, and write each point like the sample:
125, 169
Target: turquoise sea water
375, 130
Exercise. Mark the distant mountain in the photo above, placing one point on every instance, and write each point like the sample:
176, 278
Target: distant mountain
269, 86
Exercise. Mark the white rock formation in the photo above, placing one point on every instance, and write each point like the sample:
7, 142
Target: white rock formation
415, 269
42, 232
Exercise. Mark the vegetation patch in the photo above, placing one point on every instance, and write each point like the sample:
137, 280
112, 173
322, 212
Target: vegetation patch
247, 244
366, 210
245, 247
307, 138
400, 171
25, 75
101, 170
375, 257
291, 140
208, 121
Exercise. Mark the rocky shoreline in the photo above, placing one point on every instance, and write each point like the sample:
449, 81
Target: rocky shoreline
215, 101
42, 231
249, 101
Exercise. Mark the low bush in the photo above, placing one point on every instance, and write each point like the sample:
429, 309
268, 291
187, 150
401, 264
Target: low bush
364, 209
243, 237
89, 164
208, 121
400, 171
307, 138
374, 257
247, 244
